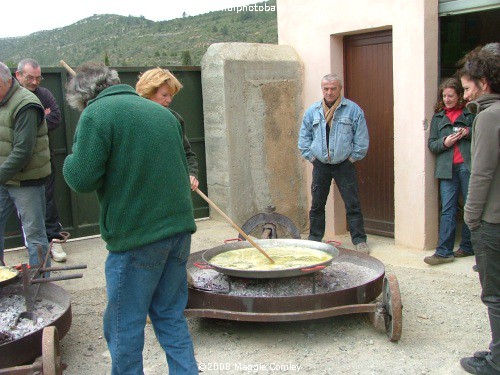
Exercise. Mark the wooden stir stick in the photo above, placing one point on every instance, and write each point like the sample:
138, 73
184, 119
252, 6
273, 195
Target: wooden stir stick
234, 225
68, 68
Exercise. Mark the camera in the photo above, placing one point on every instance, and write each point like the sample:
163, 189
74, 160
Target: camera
456, 129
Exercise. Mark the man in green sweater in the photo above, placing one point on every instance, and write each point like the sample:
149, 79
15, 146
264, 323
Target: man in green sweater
124, 151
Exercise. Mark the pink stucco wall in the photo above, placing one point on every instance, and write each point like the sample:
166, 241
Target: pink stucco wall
315, 29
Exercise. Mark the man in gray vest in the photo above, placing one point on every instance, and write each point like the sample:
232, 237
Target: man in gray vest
24, 163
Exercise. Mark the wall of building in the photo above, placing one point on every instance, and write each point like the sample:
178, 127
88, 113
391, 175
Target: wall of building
315, 30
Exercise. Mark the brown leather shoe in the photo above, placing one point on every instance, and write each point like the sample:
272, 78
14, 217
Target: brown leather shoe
462, 254
434, 260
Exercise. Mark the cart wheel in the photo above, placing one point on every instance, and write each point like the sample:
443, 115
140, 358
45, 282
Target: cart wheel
394, 309
51, 352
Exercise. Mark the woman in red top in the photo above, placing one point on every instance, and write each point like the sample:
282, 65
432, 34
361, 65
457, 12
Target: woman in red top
450, 140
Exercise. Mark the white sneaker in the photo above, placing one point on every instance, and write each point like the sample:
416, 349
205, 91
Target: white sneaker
362, 247
57, 252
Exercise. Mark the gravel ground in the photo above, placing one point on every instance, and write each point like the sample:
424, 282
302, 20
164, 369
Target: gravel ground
443, 320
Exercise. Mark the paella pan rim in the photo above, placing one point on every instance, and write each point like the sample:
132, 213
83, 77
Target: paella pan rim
11, 279
209, 254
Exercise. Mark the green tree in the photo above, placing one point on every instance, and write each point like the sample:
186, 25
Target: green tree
186, 58
224, 30
246, 16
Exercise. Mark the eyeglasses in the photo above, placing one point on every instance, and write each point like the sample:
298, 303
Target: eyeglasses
31, 78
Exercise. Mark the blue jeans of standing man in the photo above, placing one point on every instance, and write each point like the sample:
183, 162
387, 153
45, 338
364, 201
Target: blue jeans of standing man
450, 190
346, 180
486, 241
29, 201
150, 280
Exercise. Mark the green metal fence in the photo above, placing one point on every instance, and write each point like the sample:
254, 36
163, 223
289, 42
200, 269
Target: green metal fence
79, 213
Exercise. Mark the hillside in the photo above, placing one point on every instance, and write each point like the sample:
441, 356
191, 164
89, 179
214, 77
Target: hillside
137, 41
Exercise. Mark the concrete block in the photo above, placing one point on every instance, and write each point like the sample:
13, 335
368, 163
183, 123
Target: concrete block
253, 110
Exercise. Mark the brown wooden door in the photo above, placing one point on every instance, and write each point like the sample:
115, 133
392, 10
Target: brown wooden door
368, 82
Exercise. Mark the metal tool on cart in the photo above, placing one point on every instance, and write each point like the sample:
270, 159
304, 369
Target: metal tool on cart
32, 278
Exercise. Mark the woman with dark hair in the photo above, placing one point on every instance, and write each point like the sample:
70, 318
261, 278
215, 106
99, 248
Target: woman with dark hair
450, 140
480, 76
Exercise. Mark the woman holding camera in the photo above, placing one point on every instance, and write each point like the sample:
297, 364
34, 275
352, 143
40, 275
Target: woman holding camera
450, 140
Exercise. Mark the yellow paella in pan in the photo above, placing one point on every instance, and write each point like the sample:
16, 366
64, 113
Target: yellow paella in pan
7, 275
291, 257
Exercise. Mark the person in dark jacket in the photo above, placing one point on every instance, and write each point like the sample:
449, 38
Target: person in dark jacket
480, 76
160, 86
450, 139
24, 163
29, 75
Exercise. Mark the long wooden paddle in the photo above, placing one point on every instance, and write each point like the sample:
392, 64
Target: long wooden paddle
234, 225
68, 68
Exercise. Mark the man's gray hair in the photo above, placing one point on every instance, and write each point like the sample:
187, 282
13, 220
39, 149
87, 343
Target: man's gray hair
5, 75
90, 80
331, 78
493, 48
24, 62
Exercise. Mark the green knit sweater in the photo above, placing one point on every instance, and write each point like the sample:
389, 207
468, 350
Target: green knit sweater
129, 150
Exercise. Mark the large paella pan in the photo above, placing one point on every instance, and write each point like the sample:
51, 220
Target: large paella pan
292, 251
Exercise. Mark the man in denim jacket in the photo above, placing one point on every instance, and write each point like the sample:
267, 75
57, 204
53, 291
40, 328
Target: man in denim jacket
332, 137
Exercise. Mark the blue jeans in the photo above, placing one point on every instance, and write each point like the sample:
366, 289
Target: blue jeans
450, 190
486, 241
29, 201
345, 177
150, 280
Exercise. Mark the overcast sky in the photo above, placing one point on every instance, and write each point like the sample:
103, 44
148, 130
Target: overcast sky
30, 16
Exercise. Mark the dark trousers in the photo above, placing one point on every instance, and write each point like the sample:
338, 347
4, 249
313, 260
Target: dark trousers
346, 180
486, 243
52, 220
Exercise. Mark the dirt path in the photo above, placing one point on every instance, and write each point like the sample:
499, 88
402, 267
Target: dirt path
443, 320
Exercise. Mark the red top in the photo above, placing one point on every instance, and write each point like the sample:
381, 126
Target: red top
453, 114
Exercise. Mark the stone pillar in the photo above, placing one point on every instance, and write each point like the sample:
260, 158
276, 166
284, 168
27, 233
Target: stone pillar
252, 104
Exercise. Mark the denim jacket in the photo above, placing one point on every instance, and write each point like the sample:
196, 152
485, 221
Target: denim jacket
348, 135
